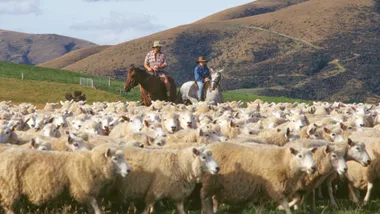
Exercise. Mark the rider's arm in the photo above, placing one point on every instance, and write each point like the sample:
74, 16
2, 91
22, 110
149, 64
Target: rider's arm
207, 74
196, 74
164, 64
146, 61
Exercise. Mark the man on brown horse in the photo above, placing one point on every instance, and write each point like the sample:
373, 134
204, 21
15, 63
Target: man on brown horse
155, 62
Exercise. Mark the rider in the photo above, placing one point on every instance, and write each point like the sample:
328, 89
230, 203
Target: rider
201, 75
155, 62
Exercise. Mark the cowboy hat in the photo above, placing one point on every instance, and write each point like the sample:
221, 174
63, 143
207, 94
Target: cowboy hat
157, 44
202, 59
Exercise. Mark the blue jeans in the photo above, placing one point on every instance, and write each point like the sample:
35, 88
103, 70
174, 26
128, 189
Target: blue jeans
200, 89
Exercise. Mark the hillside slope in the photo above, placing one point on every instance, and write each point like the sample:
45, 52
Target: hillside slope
34, 49
316, 49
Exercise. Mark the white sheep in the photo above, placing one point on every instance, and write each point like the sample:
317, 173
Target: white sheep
42, 176
170, 174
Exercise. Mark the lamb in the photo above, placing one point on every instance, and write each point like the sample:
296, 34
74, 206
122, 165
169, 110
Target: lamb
160, 174
30, 173
274, 137
71, 142
244, 176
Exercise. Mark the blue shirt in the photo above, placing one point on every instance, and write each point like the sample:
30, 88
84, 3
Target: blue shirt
200, 73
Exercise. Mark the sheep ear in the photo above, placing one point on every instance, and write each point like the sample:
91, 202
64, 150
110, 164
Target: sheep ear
293, 151
306, 120
196, 152
70, 140
287, 134
342, 126
328, 149
146, 123
125, 118
50, 120
200, 132
33, 143
350, 142
61, 102
141, 145
326, 130
314, 149
108, 153
231, 124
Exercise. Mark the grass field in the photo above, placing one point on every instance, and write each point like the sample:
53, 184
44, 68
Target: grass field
46, 78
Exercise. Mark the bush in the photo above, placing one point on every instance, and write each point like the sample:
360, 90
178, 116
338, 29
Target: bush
78, 96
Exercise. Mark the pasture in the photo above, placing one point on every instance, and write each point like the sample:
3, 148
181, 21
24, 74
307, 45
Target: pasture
48, 77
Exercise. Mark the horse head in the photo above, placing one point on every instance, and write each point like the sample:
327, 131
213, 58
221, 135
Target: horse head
215, 79
131, 79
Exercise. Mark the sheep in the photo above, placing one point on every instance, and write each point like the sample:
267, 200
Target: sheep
8, 135
133, 124
71, 142
244, 175
187, 120
160, 174
328, 158
274, 137
193, 135
363, 177
170, 123
30, 173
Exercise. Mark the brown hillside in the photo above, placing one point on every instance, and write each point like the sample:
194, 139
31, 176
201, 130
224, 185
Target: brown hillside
249, 9
318, 49
73, 57
36, 48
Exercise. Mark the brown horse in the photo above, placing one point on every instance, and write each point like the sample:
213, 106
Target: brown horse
152, 87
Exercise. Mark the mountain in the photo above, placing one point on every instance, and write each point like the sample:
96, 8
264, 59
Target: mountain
34, 49
315, 49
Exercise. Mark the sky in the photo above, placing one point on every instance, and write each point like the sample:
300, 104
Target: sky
105, 21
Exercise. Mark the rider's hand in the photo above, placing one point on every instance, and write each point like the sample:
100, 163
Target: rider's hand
207, 79
155, 68
150, 69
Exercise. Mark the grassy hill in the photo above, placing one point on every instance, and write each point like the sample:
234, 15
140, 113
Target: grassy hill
316, 49
41, 92
41, 85
36, 48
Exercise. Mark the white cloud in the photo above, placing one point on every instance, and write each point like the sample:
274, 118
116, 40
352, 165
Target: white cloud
119, 27
20, 7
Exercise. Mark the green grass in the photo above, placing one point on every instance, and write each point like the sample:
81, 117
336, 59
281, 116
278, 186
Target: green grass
15, 71
250, 95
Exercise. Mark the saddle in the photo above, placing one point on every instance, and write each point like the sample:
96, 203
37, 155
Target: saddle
205, 87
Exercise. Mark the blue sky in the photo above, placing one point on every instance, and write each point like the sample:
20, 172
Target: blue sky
105, 21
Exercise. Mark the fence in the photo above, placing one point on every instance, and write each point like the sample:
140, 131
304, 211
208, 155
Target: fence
87, 82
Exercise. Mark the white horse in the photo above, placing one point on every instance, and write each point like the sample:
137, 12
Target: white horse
188, 91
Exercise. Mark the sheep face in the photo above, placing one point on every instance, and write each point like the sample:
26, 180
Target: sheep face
361, 120
51, 130
41, 145
5, 133
251, 116
206, 160
40, 122
152, 117
60, 121
358, 152
299, 121
303, 159
76, 143
337, 160
92, 127
187, 120
156, 130
115, 159
171, 123
159, 142
135, 124
334, 135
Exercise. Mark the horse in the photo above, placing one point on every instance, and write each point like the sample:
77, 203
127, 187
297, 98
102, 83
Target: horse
152, 87
211, 90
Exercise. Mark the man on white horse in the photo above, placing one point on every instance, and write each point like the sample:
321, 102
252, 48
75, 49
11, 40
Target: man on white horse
201, 75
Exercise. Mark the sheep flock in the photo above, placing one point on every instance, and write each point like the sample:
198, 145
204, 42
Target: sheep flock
130, 158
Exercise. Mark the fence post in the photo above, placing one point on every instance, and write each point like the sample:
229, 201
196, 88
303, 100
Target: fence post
22, 75
109, 81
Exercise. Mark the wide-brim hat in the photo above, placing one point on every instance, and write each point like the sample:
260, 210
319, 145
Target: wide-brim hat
202, 59
157, 44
